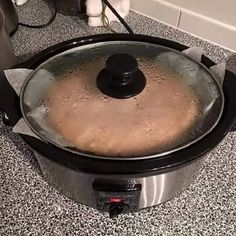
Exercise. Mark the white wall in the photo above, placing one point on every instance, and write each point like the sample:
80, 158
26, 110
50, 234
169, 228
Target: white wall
213, 20
221, 10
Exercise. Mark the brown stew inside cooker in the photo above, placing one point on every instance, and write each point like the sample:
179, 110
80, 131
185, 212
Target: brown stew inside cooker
152, 121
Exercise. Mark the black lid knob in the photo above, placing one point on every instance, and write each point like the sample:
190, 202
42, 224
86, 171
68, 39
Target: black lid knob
121, 78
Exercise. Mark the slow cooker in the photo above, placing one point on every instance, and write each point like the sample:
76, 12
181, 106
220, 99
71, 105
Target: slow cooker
106, 174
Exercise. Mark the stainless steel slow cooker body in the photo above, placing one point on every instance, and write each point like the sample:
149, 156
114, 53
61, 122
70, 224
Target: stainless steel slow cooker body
118, 194
120, 186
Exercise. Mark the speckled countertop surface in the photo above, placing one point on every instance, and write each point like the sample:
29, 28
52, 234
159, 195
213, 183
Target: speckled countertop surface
29, 206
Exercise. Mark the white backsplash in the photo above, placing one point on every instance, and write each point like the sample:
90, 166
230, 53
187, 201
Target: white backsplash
212, 20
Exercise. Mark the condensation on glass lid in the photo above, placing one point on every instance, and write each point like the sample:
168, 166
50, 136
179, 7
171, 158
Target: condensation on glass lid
158, 119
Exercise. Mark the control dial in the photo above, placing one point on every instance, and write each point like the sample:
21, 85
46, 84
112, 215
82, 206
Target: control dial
117, 208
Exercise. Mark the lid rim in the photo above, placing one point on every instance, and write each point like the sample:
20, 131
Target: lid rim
146, 167
142, 157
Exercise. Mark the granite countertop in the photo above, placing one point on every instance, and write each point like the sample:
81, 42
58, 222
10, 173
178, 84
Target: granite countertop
29, 206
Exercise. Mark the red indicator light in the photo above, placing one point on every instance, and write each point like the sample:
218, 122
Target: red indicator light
116, 199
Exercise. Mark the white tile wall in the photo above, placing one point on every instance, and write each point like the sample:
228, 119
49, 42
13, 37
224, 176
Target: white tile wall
156, 10
208, 29
221, 10
213, 20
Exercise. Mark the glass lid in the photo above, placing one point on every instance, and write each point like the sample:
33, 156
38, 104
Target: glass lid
121, 99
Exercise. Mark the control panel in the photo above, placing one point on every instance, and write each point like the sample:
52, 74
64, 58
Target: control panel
117, 197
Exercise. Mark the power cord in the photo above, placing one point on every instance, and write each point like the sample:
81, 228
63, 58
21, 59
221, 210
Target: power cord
52, 18
105, 21
122, 21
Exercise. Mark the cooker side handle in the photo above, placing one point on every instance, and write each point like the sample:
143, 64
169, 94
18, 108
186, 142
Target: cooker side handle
234, 127
9, 100
229, 86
